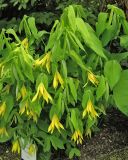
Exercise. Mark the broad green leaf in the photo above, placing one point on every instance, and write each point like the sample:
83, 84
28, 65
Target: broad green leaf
112, 71
86, 96
101, 88
57, 142
125, 26
77, 40
117, 10
120, 93
71, 17
11, 31
77, 58
111, 31
32, 26
124, 41
72, 88
74, 152
119, 56
89, 37
47, 145
74, 118
101, 24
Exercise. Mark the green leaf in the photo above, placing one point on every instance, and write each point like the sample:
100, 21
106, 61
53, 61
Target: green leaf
112, 71
73, 152
47, 145
119, 56
57, 142
77, 40
72, 88
117, 10
101, 24
111, 31
77, 58
32, 26
85, 98
71, 17
101, 88
124, 41
120, 93
74, 118
125, 26
89, 37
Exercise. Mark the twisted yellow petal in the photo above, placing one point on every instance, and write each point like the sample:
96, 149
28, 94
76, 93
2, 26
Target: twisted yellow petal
32, 149
16, 146
3, 131
58, 79
55, 124
77, 137
2, 109
90, 110
92, 78
41, 91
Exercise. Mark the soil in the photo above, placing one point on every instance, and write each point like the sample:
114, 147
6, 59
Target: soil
110, 143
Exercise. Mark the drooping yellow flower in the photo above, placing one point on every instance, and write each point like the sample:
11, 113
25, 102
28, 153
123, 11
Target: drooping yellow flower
24, 107
2, 109
55, 124
41, 91
77, 137
32, 149
45, 61
22, 93
58, 79
3, 131
16, 146
32, 115
25, 43
90, 110
93, 78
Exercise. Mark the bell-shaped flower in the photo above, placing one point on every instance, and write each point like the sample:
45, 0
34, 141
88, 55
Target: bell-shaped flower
3, 131
45, 61
58, 79
92, 78
77, 137
55, 124
16, 146
2, 109
90, 110
41, 91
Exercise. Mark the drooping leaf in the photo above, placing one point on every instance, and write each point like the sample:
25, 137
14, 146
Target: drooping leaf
112, 71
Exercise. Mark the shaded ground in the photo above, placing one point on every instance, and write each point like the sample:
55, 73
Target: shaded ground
110, 143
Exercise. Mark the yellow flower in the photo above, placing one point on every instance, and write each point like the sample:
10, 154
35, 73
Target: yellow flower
24, 107
3, 131
58, 79
92, 78
55, 123
16, 146
32, 149
32, 115
25, 43
90, 110
22, 93
2, 109
44, 61
77, 137
41, 91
